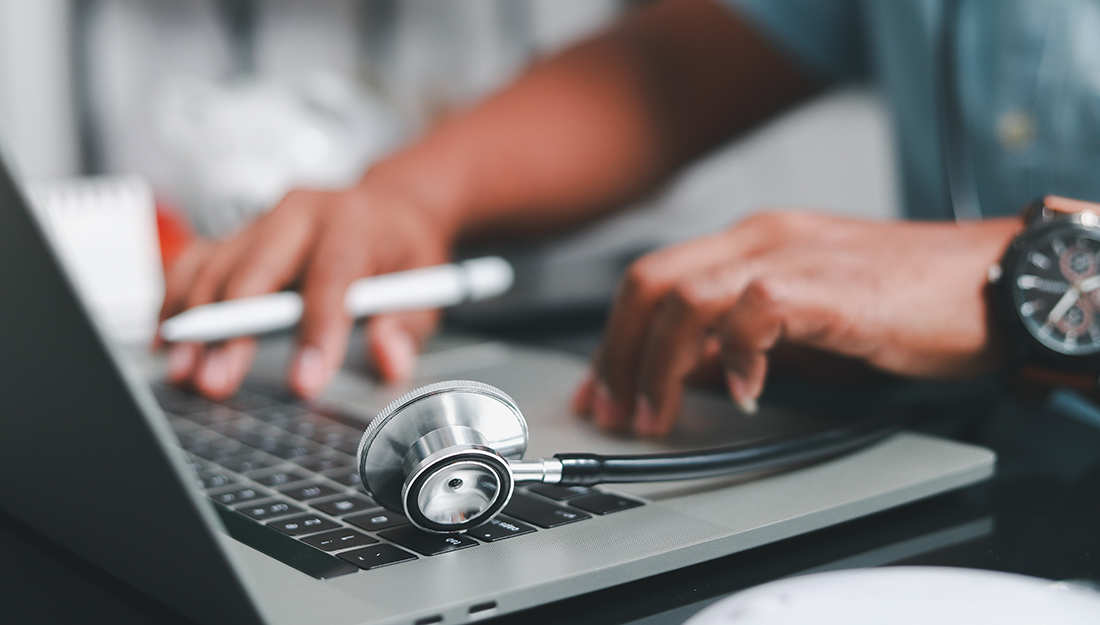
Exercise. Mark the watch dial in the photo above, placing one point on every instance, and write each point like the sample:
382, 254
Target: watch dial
1056, 291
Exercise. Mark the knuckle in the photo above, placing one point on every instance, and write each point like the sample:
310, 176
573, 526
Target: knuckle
642, 278
684, 298
777, 223
763, 292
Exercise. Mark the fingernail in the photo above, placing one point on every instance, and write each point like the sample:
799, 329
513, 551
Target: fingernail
309, 370
644, 419
601, 405
582, 397
401, 354
745, 402
181, 358
215, 370
748, 405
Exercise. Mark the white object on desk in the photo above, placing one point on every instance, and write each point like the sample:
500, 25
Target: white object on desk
105, 232
415, 289
907, 596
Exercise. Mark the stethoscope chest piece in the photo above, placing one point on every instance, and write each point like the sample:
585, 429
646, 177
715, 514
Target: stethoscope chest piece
441, 452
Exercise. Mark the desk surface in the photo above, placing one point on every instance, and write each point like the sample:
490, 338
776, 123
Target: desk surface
1038, 516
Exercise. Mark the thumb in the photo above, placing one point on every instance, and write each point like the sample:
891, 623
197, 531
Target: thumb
394, 341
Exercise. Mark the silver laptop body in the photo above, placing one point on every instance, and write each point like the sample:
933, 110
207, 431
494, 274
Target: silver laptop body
109, 483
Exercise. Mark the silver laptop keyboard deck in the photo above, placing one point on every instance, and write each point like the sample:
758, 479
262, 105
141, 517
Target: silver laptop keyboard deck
284, 481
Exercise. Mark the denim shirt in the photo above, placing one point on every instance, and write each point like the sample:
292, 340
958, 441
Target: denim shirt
1020, 79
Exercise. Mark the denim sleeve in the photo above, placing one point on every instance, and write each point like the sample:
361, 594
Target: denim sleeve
825, 36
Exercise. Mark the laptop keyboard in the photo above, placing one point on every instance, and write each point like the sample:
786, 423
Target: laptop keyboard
285, 483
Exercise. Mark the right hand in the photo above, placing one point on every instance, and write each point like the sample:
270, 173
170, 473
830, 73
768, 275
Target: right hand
318, 243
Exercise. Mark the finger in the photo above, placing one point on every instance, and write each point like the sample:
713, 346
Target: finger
280, 242
767, 312
338, 257
209, 280
182, 360
583, 395
223, 367
709, 371
394, 341
647, 281
267, 260
178, 280
262, 259
676, 343
199, 279
643, 287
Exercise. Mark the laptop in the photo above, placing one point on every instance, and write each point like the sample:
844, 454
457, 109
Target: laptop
245, 512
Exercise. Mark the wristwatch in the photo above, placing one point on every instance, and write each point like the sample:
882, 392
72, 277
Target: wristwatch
1047, 288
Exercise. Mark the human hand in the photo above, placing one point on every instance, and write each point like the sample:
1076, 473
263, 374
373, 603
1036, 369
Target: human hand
318, 242
903, 297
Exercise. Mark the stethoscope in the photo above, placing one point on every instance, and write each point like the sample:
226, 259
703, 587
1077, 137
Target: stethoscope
448, 455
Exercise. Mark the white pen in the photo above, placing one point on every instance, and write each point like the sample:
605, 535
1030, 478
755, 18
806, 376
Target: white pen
415, 289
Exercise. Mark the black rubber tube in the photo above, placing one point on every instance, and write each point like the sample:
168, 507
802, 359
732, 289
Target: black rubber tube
589, 469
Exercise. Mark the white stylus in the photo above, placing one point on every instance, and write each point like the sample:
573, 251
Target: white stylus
416, 289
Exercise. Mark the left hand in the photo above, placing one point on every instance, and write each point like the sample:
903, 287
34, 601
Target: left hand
903, 297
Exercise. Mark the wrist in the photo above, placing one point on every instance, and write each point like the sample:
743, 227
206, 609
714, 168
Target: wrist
425, 177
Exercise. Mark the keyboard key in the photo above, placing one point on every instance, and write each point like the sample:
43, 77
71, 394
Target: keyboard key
559, 493
215, 415
281, 445
377, 519
196, 441
308, 491
376, 556
179, 403
339, 539
246, 463
340, 438
207, 480
219, 450
308, 425
348, 476
320, 463
238, 495
541, 513
195, 465
269, 509
500, 528
305, 558
181, 425
246, 401
350, 448
603, 503
278, 478
278, 413
304, 524
344, 505
427, 543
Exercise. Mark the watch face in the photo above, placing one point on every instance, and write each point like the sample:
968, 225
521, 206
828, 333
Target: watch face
1056, 290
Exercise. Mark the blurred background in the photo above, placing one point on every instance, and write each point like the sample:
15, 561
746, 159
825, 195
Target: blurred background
221, 106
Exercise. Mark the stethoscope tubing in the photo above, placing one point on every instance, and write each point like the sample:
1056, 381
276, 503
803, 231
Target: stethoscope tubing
585, 469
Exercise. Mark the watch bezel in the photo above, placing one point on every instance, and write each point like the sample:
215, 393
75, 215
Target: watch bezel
1029, 349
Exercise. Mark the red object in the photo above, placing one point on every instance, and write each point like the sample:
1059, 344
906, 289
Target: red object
174, 231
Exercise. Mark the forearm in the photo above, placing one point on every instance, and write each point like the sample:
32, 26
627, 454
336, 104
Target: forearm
600, 124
